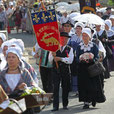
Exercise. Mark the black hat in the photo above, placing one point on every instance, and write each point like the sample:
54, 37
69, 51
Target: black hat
108, 8
68, 22
65, 34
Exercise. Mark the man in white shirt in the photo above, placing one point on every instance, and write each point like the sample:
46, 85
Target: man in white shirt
61, 61
9, 11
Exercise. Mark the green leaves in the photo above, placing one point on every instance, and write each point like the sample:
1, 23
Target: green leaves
33, 90
111, 2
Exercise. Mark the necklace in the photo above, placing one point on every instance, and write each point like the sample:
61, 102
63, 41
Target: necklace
13, 70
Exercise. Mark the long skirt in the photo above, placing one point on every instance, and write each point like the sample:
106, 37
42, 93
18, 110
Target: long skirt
90, 89
111, 64
106, 65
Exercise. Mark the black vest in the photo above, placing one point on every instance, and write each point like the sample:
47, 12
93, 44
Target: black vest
63, 54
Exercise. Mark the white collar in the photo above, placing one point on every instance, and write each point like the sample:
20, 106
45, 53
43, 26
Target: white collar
100, 32
86, 47
110, 33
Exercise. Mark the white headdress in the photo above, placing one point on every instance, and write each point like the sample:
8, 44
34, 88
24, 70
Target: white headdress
108, 23
87, 31
3, 36
79, 24
14, 50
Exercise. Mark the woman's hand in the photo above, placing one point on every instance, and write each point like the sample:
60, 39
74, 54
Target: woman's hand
22, 86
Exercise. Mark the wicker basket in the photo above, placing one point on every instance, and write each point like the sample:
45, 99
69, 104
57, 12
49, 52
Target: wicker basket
18, 107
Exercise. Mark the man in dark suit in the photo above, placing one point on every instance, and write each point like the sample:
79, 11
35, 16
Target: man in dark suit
61, 61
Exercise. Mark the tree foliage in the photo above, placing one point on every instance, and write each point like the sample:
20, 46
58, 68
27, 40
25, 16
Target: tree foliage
111, 2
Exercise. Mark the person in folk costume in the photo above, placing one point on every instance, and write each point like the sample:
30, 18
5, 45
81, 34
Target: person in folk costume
112, 28
4, 48
99, 13
20, 44
14, 77
61, 74
110, 42
108, 28
2, 39
77, 37
90, 89
64, 17
2, 58
68, 27
102, 36
107, 13
45, 67
112, 20
74, 42
102, 54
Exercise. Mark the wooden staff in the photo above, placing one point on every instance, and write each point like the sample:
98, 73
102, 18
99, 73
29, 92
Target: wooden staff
54, 55
57, 64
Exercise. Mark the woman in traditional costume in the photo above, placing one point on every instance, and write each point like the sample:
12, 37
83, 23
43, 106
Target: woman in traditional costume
102, 36
89, 88
110, 43
13, 77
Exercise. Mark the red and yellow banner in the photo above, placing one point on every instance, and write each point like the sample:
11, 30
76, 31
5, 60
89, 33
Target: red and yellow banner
46, 29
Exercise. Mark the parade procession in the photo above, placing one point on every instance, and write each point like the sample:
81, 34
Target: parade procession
56, 56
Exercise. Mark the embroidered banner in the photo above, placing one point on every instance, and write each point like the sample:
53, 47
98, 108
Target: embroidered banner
46, 29
87, 6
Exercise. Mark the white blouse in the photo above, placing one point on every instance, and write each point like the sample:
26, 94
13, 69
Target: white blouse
12, 80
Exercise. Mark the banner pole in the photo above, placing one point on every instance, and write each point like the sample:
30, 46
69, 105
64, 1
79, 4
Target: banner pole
57, 65
31, 19
33, 33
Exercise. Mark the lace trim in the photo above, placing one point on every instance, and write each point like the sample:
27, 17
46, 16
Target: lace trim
86, 47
